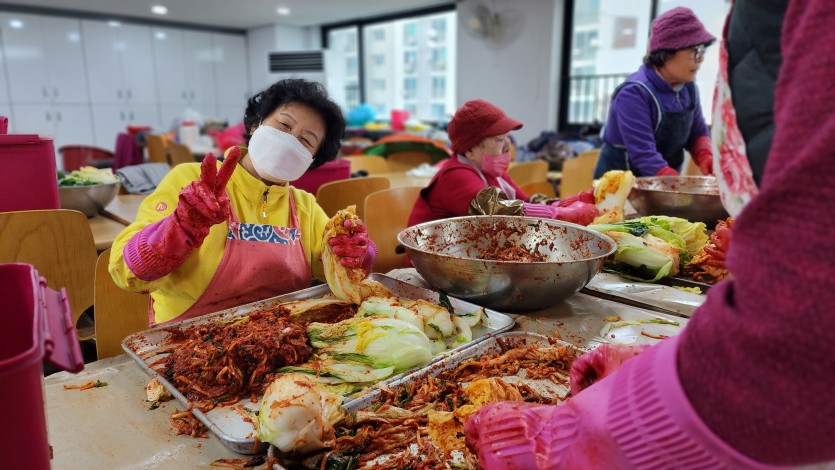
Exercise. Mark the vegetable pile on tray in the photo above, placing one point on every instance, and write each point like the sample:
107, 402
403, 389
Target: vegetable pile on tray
653, 247
86, 176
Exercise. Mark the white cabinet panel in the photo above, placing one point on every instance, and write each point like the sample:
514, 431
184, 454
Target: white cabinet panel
102, 56
109, 120
232, 71
138, 64
4, 85
169, 66
200, 59
25, 57
66, 124
65, 60
120, 63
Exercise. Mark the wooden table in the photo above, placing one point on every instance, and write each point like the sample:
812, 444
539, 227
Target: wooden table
112, 427
104, 231
124, 208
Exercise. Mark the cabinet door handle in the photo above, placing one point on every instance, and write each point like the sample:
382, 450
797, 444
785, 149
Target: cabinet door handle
55, 92
58, 116
48, 117
122, 115
129, 94
119, 93
192, 95
130, 115
45, 92
185, 95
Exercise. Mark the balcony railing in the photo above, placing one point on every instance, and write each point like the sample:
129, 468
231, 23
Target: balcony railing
589, 97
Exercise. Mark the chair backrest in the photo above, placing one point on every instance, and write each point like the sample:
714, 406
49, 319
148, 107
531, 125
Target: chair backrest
74, 157
527, 172
405, 161
373, 164
59, 244
339, 194
578, 173
539, 187
386, 214
118, 312
180, 153
156, 149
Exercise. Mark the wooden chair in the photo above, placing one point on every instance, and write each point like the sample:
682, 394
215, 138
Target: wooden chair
180, 153
527, 172
156, 149
118, 312
59, 244
341, 194
539, 187
373, 164
578, 173
405, 161
386, 214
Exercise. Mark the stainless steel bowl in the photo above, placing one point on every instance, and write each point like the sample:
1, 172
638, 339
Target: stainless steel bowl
695, 198
89, 200
445, 252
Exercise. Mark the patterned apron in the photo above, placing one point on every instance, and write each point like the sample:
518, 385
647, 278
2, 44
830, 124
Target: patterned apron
259, 262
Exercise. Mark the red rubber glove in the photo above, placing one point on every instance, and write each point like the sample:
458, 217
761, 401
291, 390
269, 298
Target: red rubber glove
702, 153
159, 248
667, 171
353, 247
597, 364
578, 209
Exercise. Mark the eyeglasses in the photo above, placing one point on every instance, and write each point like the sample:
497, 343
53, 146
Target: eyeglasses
698, 52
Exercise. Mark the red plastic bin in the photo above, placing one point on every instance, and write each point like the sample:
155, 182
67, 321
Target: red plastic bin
27, 163
74, 157
37, 325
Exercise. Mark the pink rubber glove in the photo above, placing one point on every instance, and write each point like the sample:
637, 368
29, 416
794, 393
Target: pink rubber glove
638, 417
600, 363
578, 208
159, 248
353, 247
702, 153
667, 171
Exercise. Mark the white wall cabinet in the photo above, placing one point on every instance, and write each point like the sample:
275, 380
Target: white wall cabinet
232, 77
120, 63
84, 81
44, 59
67, 124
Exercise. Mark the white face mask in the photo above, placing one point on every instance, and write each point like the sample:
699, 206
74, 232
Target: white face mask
278, 156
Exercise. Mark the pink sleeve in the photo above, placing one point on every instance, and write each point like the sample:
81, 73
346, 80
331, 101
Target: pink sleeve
756, 360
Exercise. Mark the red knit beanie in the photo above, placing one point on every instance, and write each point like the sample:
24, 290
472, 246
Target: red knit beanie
677, 29
477, 120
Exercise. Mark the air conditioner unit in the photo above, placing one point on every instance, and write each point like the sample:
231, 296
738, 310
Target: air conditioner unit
309, 65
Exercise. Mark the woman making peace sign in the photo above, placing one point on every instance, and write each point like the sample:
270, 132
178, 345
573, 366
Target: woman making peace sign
209, 239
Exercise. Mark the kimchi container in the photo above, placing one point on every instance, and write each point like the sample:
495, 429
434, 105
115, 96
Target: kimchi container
37, 325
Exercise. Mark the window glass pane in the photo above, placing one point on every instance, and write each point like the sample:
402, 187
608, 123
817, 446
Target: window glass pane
342, 67
712, 14
608, 43
417, 69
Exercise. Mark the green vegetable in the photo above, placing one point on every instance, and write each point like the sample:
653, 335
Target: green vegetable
86, 176
443, 301
693, 233
649, 257
99, 383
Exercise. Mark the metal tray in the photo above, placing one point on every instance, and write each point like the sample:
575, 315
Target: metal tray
682, 281
498, 343
226, 423
653, 296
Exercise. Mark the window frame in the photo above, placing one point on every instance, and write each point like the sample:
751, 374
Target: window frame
362, 23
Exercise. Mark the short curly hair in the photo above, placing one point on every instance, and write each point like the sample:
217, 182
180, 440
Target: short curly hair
658, 58
312, 94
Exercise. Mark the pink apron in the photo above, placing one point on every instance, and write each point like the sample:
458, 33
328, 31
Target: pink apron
730, 165
259, 262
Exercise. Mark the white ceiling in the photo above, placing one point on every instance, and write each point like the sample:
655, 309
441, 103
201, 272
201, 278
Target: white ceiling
239, 14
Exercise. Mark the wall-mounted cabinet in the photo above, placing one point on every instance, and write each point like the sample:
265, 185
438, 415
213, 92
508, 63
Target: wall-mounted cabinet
44, 59
67, 124
120, 63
